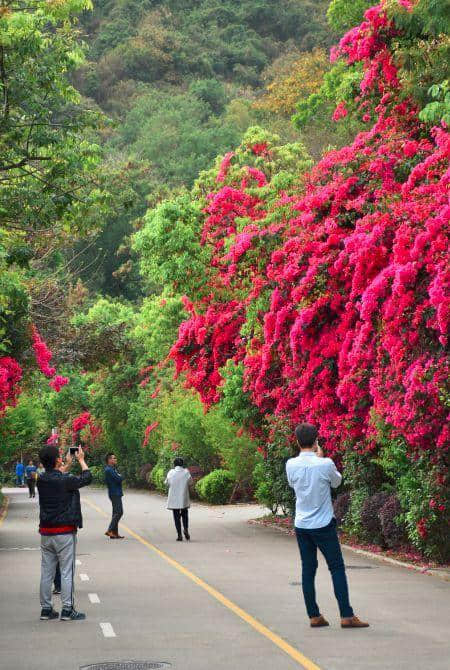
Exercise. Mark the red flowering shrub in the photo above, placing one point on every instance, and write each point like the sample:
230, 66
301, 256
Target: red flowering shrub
42, 353
334, 296
10, 376
43, 357
357, 288
58, 382
84, 427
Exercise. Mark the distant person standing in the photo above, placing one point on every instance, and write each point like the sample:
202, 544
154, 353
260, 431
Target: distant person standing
115, 492
178, 480
19, 473
60, 517
312, 476
40, 470
30, 476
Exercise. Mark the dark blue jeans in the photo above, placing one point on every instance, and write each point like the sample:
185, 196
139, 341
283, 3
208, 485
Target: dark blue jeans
325, 539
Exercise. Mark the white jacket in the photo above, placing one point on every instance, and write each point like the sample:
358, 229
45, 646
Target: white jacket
178, 480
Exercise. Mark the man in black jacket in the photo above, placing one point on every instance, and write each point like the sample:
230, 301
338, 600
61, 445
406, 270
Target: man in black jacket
114, 483
60, 517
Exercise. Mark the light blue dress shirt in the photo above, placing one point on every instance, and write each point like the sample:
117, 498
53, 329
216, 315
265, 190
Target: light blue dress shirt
312, 477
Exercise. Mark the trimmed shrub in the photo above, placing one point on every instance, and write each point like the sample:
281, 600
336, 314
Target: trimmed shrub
157, 477
392, 528
216, 487
370, 517
341, 506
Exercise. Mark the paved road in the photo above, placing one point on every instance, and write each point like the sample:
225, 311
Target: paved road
224, 601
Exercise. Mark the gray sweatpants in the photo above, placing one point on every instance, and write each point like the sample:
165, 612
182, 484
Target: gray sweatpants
54, 549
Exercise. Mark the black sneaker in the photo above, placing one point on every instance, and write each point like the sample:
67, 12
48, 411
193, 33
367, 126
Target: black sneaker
186, 535
72, 615
48, 613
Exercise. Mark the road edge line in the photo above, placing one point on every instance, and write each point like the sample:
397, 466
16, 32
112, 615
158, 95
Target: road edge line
278, 641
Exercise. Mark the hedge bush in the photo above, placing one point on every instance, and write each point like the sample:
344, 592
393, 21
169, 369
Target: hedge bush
217, 487
341, 506
157, 478
392, 528
370, 517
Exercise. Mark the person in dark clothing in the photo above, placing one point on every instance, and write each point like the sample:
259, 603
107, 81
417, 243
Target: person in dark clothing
60, 517
114, 483
30, 476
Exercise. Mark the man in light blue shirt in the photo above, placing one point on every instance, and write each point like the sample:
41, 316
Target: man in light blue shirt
312, 476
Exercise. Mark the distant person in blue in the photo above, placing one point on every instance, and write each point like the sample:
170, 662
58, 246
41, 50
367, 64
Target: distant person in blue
114, 483
31, 476
19, 473
312, 476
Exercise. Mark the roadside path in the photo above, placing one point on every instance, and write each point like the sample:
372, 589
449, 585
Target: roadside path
228, 599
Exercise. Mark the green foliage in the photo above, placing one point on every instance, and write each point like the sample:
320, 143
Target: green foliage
439, 110
344, 14
177, 133
235, 402
169, 245
158, 478
44, 147
210, 91
216, 488
156, 327
22, 428
272, 489
236, 448
14, 305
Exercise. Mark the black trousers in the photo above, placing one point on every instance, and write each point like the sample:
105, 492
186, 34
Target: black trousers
31, 483
117, 513
181, 515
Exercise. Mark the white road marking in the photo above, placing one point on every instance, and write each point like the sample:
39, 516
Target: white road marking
78, 562
83, 577
93, 597
107, 629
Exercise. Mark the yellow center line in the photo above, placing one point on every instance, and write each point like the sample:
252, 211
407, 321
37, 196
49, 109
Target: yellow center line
5, 510
296, 655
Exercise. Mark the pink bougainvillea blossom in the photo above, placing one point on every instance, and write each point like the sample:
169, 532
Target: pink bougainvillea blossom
147, 432
10, 376
42, 353
58, 382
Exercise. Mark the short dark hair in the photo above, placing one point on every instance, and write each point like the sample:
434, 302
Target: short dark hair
108, 456
178, 462
306, 435
48, 457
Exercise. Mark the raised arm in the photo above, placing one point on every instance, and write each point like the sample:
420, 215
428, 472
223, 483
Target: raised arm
74, 482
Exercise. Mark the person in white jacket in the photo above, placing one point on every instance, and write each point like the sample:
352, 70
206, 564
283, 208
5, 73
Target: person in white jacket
178, 480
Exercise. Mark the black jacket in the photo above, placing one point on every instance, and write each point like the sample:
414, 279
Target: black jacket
59, 498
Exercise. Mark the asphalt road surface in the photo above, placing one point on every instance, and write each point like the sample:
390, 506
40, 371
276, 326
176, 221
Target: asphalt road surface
229, 599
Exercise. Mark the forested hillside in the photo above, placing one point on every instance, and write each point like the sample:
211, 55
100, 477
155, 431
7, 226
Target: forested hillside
209, 232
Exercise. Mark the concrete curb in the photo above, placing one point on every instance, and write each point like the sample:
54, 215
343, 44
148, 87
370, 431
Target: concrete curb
431, 572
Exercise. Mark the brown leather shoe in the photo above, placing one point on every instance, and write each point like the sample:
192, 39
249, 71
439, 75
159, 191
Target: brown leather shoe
108, 533
353, 622
116, 536
318, 622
